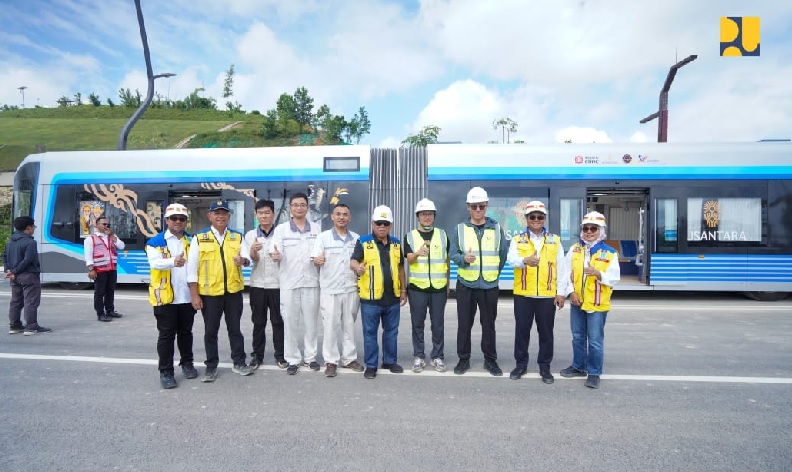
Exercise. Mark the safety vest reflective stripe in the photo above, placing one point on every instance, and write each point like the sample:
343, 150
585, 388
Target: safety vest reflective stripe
595, 295
105, 256
537, 281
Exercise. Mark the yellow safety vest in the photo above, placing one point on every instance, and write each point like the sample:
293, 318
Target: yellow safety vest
542, 280
432, 269
487, 263
595, 296
160, 288
217, 273
371, 285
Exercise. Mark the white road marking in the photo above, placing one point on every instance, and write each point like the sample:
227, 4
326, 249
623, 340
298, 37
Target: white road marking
426, 373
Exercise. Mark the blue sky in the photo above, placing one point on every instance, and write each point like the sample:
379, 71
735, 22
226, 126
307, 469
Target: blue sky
586, 70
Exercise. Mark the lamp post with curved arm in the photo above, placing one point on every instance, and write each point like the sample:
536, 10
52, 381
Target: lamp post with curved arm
662, 113
122, 139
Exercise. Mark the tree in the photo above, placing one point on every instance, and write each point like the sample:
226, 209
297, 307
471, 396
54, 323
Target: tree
319, 118
427, 135
508, 126
63, 101
110, 102
78, 98
285, 107
228, 91
334, 126
94, 99
362, 125
127, 99
303, 107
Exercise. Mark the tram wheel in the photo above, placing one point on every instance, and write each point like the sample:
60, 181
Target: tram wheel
767, 296
75, 285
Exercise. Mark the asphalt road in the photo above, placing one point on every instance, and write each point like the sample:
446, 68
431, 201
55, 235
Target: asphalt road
691, 382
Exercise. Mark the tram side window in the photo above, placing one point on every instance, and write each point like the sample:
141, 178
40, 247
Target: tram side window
569, 221
667, 222
726, 222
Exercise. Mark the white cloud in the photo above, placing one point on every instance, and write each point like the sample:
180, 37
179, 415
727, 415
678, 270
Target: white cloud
639, 137
580, 135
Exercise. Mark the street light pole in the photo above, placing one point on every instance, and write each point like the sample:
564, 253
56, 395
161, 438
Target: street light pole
662, 112
122, 139
22, 91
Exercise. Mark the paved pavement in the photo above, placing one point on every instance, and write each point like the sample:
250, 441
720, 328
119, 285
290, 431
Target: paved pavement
692, 382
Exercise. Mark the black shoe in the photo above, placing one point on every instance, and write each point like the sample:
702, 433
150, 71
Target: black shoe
210, 375
570, 372
255, 362
37, 330
394, 368
292, 369
370, 373
167, 380
314, 366
462, 366
547, 377
592, 381
492, 368
104, 318
282, 363
518, 372
189, 371
16, 328
115, 314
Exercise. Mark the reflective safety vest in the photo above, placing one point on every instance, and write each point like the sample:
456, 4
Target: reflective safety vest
105, 255
542, 280
160, 288
594, 295
487, 263
371, 285
217, 273
431, 269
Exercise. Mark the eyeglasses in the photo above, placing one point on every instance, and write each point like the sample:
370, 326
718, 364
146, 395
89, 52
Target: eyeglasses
478, 207
178, 218
382, 223
536, 217
104, 224
590, 229
299, 205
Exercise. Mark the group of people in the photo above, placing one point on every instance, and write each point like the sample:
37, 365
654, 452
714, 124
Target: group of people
305, 281
301, 277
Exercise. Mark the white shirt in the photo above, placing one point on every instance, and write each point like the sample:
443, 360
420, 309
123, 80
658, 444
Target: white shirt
181, 291
563, 268
265, 271
296, 269
335, 276
88, 247
194, 254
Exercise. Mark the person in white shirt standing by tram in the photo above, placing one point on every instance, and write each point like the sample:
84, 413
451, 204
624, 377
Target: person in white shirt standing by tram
338, 292
299, 284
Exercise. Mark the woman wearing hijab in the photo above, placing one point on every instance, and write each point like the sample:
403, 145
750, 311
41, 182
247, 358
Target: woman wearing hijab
595, 270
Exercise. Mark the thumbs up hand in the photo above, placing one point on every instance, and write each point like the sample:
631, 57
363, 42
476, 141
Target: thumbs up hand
361, 269
424, 250
275, 254
179, 260
470, 257
532, 260
239, 261
590, 270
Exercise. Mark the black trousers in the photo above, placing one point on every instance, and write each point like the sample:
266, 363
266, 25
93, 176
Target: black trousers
174, 321
525, 310
263, 300
104, 292
468, 299
214, 307
420, 302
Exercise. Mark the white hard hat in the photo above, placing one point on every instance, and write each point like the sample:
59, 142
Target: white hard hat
477, 195
534, 206
176, 209
594, 218
425, 205
382, 213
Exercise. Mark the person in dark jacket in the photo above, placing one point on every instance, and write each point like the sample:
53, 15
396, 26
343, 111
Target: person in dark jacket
22, 268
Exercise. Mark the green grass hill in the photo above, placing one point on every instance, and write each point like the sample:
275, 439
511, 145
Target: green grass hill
89, 128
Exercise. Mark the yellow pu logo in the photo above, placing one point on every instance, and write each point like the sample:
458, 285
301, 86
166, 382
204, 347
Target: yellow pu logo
739, 36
